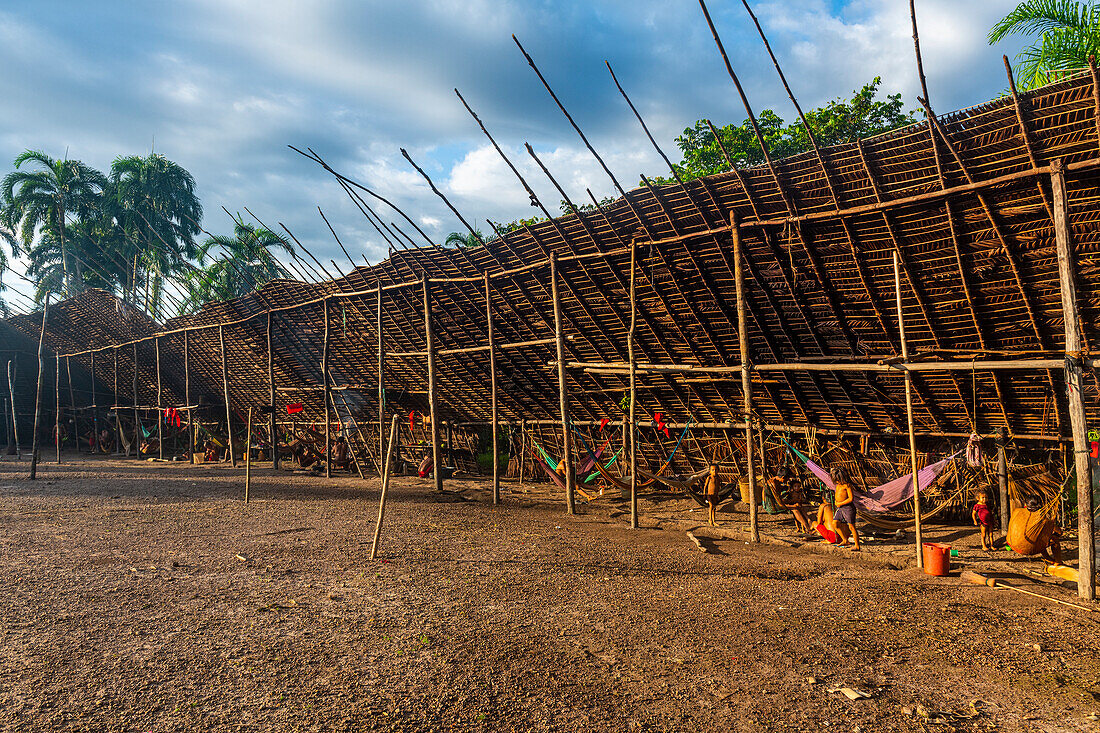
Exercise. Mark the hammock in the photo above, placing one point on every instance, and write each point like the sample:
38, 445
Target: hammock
652, 477
886, 496
609, 464
584, 465
683, 486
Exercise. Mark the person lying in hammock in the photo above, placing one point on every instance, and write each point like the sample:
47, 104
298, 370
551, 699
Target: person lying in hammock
149, 446
210, 451
425, 468
788, 489
106, 441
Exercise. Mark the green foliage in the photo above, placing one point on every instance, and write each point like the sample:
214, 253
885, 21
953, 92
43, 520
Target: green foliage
864, 115
247, 262
1069, 32
458, 240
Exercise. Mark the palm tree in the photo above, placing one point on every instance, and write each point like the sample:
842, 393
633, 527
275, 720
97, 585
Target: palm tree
248, 261
37, 204
1069, 33
459, 240
153, 201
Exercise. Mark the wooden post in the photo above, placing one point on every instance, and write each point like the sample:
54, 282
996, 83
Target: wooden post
522, 450
1003, 502
72, 402
385, 489
272, 428
566, 425
248, 456
7, 426
909, 414
95, 400
118, 423
137, 428
746, 379
14, 414
160, 404
327, 393
450, 445
38, 390
1086, 576
632, 420
187, 395
381, 384
57, 405
492, 389
429, 338
225, 393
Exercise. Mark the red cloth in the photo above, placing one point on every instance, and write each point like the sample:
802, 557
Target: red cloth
985, 517
828, 534
294, 408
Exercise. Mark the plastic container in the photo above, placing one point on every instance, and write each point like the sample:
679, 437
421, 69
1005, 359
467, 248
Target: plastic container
937, 558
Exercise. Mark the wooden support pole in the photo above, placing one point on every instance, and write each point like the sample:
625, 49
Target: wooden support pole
1066, 280
136, 443
909, 413
1003, 505
72, 402
248, 456
385, 488
225, 394
381, 384
433, 415
746, 380
522, 451
95, 408
271, 426
567, 436
38, 390
328, 393
493, 389
14, 414
187, 395
160, 404
632, 414
118, 423
57, 406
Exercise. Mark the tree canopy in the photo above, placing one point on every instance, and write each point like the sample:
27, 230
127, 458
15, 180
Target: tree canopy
1068, 34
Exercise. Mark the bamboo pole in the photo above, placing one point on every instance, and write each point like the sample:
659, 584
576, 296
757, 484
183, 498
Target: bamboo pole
272, 428
7, 426
95, 408
118, 423
187, 396
909, 414
429, 338
14, 414
381, 384
248, 456
493, 389
225, 394
160, 404
1003, 505
328, 393
385, 486
563, 393
136, 443
57, 406
632, 419
522, 451
746, 380
1064, 240
72, 401
38, 390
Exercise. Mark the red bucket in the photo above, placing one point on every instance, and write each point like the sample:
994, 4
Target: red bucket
937, 558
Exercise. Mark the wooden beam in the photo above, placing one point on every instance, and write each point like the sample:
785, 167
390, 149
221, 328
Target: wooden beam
909, 411
746, 381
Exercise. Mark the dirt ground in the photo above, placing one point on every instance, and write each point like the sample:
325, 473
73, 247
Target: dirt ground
149, 597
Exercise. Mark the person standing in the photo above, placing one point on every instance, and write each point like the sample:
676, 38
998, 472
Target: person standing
845, 514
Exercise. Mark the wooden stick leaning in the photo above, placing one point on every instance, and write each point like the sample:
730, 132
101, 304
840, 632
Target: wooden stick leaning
909, 414
385, 488
38, 391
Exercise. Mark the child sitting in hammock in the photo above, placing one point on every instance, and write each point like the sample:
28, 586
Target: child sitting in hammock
787, 489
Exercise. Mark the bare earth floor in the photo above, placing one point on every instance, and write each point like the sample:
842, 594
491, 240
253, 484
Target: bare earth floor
125, 605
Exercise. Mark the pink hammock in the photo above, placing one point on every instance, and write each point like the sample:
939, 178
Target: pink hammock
890, 494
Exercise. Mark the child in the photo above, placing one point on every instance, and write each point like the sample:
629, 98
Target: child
983, 518
711, 493
845, 514
788, 490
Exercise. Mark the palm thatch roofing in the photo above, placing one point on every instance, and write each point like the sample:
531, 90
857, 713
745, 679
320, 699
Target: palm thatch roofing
964, 203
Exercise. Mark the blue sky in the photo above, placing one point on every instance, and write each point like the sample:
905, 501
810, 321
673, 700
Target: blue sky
223, 86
